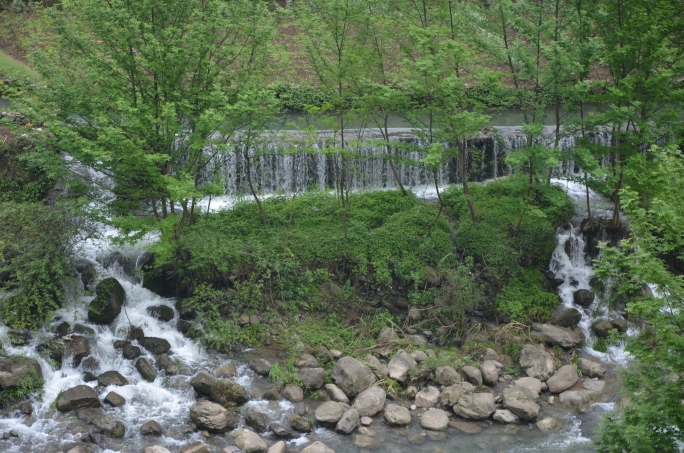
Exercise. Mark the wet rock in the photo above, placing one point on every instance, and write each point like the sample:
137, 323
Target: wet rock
78, 397
400, 365
78, 349
536, 362
620, 324
110, 427
202, 382
576, 400
590, 368
301, 409
521, 401
161, 312
213, 417
583, 297
556, 335
312, 378
435, 420
83, 330
370, 401
130, 352
329, 413
366, 421
306, 361
465, 427
107, 304
352, 376
602, 328
272, 393
563, 379
249, 441
111, 378
151, 428
227, 370
419, 356
184, 311
26, 408
505, 416
446, 376
293, 393
146, 369
450, 396
284, 431
490, 372
114, 399
90, 363
135, 333
299, 423
397, 415
566, 318
15, 369
548, 425
475, 406
336, 394
428, 397
89, 377
533, 384
472, 375
349, 421
225, 391
260, 366
318, 447
156, 449
256, 420
155, 345
197, 447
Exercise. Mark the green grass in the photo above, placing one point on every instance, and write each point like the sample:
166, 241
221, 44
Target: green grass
15, 70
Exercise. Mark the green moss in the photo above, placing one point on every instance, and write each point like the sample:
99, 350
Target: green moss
524, 300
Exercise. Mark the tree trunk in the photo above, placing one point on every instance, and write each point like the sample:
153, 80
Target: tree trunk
251, 186
464, 180
391, 162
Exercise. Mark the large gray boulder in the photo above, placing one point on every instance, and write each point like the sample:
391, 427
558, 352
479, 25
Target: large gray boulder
569, 317
533, 384
336, 394
293, 393
536, 362
475, 406
396, 415
521, 401
590, 368
329, 413
602, 328
202, 382
505, 416
249, 441
556, 335
260, 366
283, 431
155, 345
349, 421
450, 396
312, 378
434, 420
79, 397
563, 379
446, 376
400, 365
161, 312
213, 417
15, 369
490, 372
78, 349
370, 401
583, 297
146, 369
108, 302
352, 376
256, 420
318, 447
427, 397
226, 391
111, 378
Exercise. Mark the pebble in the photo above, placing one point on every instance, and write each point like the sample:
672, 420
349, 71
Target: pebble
365, 421
413, 407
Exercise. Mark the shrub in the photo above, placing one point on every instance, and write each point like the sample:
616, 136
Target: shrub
525, 300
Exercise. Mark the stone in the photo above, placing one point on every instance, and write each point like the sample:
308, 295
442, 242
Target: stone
590, 368
533, 384
490, 372
594, 387
78, 397
130, 352
306, 361
114, 399
249, 441
375, 364
352, 376
620, 324
161, 312
272, 393
490, 354
561, 336
433, 278
349, 421
329, 413
318, 447
450, 396
434, 419
301, 409
83, 330
566, 318
78, 348
472, 375
602, 328
387, 335
336, 394
26, 408
521, 401
505, 416
536, 362
293, 393
258, 421
427, 397
583, 297
15, 369
396, 415
576, 400
260, 366
400, 365
312, 378
151, 428
110, 297
146, 369
370, 401
548, 425
156, 449
365, 442
225, 391
227, 370
563, 379
213, 417
284, 431
446, 376
110, 427
475, 406
111, 378
278, 447
417, 340
366, 421
202, 382
299, 423
197, 447
155, 345
185, 312
466, 427
62, 329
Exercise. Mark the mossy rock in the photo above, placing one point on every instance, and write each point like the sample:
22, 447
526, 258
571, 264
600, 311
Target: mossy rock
107, 304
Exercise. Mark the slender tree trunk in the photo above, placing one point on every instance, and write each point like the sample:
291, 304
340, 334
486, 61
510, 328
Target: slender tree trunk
464, 180
556, 138
391, 161
251, 186
439, 200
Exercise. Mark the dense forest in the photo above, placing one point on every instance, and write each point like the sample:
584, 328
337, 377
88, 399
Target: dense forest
267, 154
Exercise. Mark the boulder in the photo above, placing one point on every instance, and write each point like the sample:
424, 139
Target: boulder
318, 447
260, 366
396, 415
565, 377
278, 447
576, 400
556, 335
202, 382
427, 397
108, 302
161, 312
227, 370
472, 375
146, 369
155, 345
548, 425
620, 324
566, 318
249, 441
78, 397
583, 297
433, 278
213, 417
349, 421
156, 449
185, 312
111, 378
293, 393
130, 352
110, 427
370, 401
417, 340
400, 365
336, 394
450, 396
446, 376
312, 378
375, 364
225, 391
15, 369
533, 384
419, 356
256, 420
197, 447
490, 372
84, 330
283, 431
590, 368
329, 413
434, 419
602, 328
114, 399
306, 361
387, 335
536, 362
352, 376
78, 348
505, 416
272, 393
475, 406
299, 423
151, 428
521, 401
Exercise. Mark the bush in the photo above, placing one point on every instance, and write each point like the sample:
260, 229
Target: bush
525, 300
